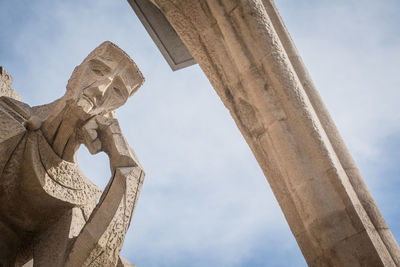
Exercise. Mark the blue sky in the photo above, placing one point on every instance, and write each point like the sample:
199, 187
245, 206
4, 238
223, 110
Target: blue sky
205, 201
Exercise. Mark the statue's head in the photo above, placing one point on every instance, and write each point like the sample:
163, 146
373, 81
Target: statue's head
104, 80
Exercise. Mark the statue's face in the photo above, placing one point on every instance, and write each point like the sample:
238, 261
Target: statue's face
102, 88
105, 80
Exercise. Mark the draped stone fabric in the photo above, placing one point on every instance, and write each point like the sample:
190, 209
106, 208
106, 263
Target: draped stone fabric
50, 213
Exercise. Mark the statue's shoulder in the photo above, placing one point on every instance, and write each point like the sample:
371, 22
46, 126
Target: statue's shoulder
15, 108
13, 115
44, 111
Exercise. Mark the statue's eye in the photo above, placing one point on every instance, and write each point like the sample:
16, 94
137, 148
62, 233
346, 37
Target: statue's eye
98, 72
118, 91
99, 68
119, 88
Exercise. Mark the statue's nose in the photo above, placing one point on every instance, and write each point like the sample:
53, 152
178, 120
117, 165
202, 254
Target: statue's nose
99, 88
103, 85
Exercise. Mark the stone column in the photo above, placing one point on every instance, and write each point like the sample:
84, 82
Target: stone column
247, 54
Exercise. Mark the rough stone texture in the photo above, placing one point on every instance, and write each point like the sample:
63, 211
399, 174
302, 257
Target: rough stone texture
50, 213
248, 56
5, 85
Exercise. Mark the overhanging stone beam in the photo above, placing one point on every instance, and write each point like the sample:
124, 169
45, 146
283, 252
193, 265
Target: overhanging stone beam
163, 35
247, 54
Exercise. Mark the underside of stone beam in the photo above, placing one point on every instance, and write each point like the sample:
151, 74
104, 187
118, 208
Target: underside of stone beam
248, 56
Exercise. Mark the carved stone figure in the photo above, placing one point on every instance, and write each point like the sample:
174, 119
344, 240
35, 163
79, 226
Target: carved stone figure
49, 210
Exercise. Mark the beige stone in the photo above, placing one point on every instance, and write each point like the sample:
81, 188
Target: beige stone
5, 85
50, 213
247, 54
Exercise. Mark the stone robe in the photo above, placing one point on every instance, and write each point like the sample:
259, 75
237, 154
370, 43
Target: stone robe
45, 201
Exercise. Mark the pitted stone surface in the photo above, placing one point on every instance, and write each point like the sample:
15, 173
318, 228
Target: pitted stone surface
47, 206
5, 85
248, 56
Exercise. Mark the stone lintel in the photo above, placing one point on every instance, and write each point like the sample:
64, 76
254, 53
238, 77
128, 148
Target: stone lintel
163, 35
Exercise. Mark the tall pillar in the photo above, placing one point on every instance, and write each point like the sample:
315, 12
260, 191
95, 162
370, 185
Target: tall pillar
247, 54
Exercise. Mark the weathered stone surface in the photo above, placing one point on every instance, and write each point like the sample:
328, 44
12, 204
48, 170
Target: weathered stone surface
49, 210
248, 56
5, 85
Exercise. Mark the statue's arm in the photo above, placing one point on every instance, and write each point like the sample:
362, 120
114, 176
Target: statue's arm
104, 134
119, 197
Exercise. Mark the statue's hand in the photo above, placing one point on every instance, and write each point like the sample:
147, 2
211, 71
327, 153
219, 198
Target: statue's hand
90, 136
104, 134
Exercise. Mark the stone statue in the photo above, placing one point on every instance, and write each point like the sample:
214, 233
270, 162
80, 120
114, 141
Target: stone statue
49, 211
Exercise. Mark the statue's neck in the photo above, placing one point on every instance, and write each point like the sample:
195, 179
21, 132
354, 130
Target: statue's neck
60, 130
